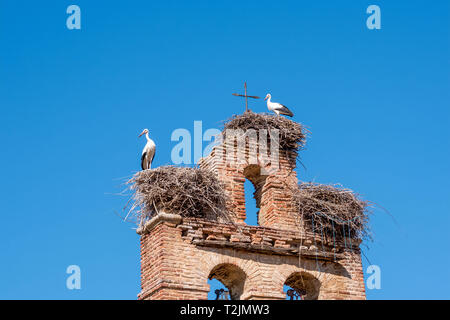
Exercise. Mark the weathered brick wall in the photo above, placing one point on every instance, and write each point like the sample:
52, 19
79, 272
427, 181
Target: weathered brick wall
178, 256
273, 192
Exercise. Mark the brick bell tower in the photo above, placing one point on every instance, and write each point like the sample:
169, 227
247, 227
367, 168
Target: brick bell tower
179, 255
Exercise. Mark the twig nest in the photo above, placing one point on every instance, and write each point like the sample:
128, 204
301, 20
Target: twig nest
292, 135
189, 192
332, 210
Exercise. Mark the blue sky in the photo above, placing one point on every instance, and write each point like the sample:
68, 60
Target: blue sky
73, 102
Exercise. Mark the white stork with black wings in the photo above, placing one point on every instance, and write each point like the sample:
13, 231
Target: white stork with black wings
148, 153
276, 107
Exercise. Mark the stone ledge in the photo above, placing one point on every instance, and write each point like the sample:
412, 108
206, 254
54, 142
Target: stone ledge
261, 248
205, 233
159, 218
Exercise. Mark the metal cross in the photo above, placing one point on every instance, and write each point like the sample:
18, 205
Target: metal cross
245, 96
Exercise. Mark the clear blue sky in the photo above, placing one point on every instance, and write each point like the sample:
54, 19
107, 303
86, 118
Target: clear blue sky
74, 101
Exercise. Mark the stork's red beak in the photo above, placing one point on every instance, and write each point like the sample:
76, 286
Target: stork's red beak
265, 98
141, 134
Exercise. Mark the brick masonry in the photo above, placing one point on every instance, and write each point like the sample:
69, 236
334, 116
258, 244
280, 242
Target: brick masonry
179, 255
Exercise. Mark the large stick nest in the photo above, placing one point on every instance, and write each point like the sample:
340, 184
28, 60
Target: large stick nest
189, 192
333, 211
292, 135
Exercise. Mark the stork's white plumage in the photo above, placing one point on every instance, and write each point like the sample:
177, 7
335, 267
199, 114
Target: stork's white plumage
276, 107
148, 153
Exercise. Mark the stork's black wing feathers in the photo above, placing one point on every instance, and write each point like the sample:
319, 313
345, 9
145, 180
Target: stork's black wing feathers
143, 160
285, 111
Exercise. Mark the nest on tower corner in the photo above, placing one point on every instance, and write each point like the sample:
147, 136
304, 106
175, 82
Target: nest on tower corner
333, 211
292, 135
189, 192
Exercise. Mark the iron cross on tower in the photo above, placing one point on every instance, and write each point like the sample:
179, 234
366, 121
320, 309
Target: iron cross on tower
245, 96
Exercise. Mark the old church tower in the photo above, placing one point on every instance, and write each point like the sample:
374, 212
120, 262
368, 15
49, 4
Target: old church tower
179, 254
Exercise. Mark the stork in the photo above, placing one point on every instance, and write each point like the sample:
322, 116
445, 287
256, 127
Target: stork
148, 153
276, 107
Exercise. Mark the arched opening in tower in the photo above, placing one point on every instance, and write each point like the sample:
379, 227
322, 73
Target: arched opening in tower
226, 282
251, 209
217, 290
301, 286
253, 187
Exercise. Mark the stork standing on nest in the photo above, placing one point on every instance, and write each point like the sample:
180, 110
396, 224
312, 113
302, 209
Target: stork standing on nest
276, 107
148, 153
